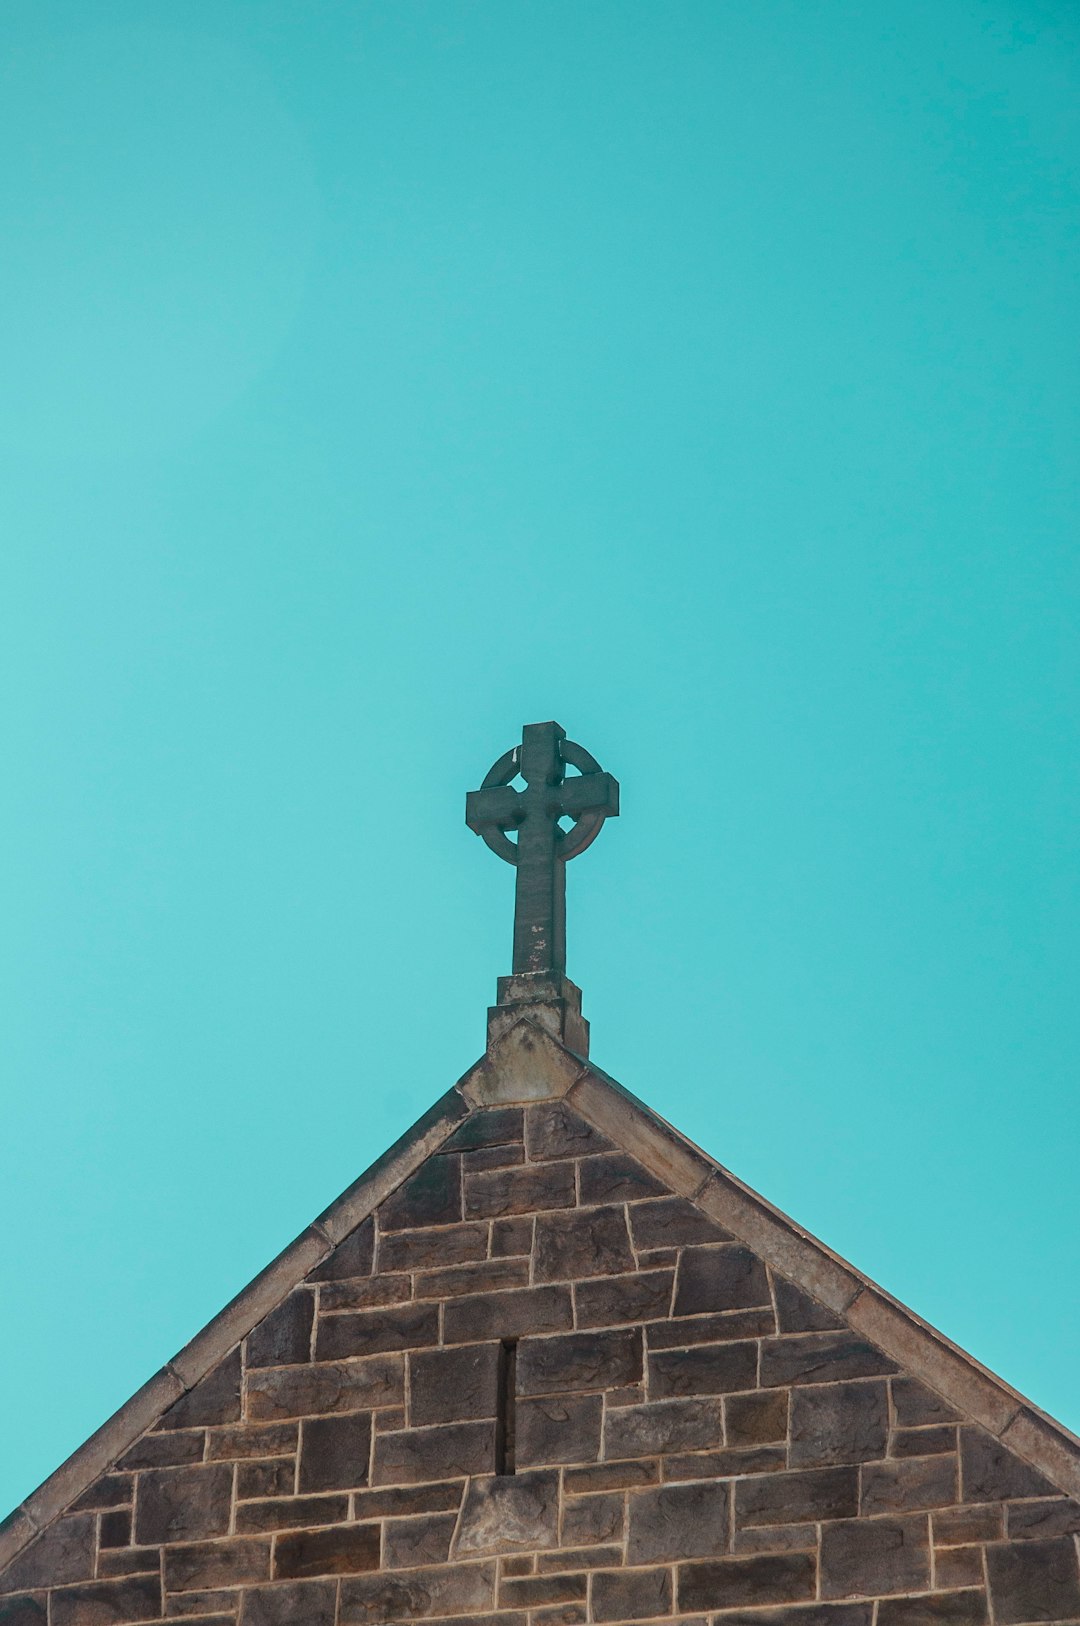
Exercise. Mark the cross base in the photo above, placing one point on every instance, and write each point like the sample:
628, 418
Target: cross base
552, 1001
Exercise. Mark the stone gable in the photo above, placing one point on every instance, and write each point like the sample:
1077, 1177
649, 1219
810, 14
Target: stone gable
537, 1386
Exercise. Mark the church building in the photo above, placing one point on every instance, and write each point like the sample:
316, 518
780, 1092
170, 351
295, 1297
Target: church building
546, 1363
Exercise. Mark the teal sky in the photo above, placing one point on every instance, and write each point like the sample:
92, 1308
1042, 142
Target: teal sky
375, 378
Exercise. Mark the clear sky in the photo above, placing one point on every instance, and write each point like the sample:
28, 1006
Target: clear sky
375, 378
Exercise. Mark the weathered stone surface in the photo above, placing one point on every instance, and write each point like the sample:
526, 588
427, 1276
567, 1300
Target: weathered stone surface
310, 1602
447, 1452
334, 1452
796, 1311
672, 1222
663, 1425
408, 1543
936, 1608
820, 1357
957, 1526
284, 1337
913, 1482
616, 1177
114, 1530
606, 1476
631, 1594
511, 1237
791, 1498
510, 1513
453, 1385
726, 1582
1057, 1517
1034, 1581
352, 1257
813, 1614
580, 1360
207, 1564
304, 1391
862, 1557
558, 1428
274, 1477
578, 1558
431, 1196
28, 1609
725, 1277
838, 1422
489, 1126
552, 1129
582, 1242
428, 1250
342, 1551
728, 1327
99, 1603
485, 1276
776, 1538
374, 1332
528, 1591
705, 1369
726, 1464
166, 1450
214, 1399
756, 1419
290, 1513
365, 1293
924, 1442
251, 1440
915, 1404
624, 1298
398, 1503
989, 1472
591, 1520
678, 1521
64, 1552
183, 1504
513, 1314
111, 1490
536, 1187
417, 1594
491, 1157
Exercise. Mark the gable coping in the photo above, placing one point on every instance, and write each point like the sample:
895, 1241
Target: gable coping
526, 1064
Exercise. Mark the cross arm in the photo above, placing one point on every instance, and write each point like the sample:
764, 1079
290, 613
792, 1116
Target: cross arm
589, 793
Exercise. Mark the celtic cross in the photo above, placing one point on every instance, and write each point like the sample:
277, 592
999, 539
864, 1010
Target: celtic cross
543, 848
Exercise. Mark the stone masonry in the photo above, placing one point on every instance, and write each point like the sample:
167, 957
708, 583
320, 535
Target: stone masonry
537, 1388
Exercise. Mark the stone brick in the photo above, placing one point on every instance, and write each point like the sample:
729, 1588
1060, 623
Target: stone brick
111, 1490
300, 1391
443, 1497
511, 1237
552, 1130
352, 1257
1059, 1517
491, 1157
579, 1360
98, 1603
183, 1504
510, 1512
289, 1513
517, 1564
428, 1250
588, 1520
777, 1538
957, 1526
820, 1357
513, 1314
706, 1369
616, 1177
725, 1582
558, 1428
115, 1528
520, 1191
431, 1196
796, 1311
923, 1442
991, 1473
374, 1332
582, 1242
416, 1595
936, 1609
958, 1567
453, 1385
561, 1614
26, 1610
793, 1498
606, 1476
252, 1440
727, 1464
273, 1477
915, 1404
334, 1452
726, 1328
365, 1293
114, 1562
1034, 1581
490, 1126
284, 1337
310, 1602
671, 1222
813, 1614
579, 1558
910, 1483
725, 1277
408, 1543
678, 1521
447, 1452
216, 1564
346, 1551
631, 1594
875, 1556
604, 1303
527, 1591
63, 1552
485, 1276
838, 1422
756, 1419
166, 1450
663, 1425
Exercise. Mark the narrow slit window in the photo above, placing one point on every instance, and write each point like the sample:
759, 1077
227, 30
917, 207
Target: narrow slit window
504, 1407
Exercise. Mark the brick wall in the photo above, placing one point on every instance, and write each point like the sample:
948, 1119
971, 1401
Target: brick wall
681, 1433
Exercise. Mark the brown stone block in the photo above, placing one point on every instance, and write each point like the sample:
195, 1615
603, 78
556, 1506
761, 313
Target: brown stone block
117, 1561
672, 1222
511, 1237
440, 1498
908, 1484
560, 1614
347, 1551
284, 1337
289, 1513
616, 1177
216, 1564
916, 1405
513, 1314
428, 1250
300, 1391
796, 1311
991, 1473
756, 1419
723, 1582
63, 1552
579, 1558
582, 1242
166, 1450
220, 1605
508, 1512
631, 1594
520, 1191
352, 1257
871, 1557
111, 1490
408, 1543
100, 1602
489, 1126
365, 1293
214, 1399
606, 1476
115, 1528
273, 1477
958, 1566
705, 1369
923, 1442
28, 1609
663, 1425
632, 1394
726, 1328
453, 1385
605, 1303
527, 1591
1034, 1581
486, 1276
447, 1452
557, 1428
728, 1464
517, 1564
590, 1520
183, 1504
1058, 1517
838, 1422
957, 1526
375, 1332
296, 1603
725, 1277
777, 1538
553, 1130
658, 1259
579, 1360
936, 1609
820, 1357
334, 1452
678, 1521
807, 1614
252, 1440
431, 1196
798, 1496
417, 1595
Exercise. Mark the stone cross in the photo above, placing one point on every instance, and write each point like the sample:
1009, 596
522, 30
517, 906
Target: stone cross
543, 848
